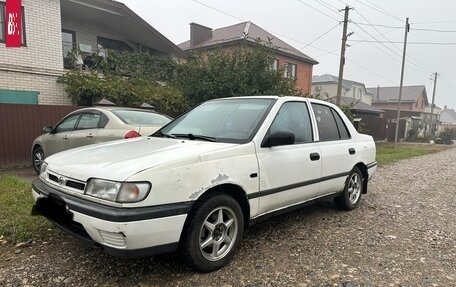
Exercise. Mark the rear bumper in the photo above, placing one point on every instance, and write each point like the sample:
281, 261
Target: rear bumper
371, 169
123, 232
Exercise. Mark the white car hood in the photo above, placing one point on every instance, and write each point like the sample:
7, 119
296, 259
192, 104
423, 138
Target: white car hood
118, 160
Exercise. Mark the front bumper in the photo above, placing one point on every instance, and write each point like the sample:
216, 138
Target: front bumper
123, 232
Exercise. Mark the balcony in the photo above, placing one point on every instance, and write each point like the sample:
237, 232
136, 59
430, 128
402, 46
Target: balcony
78, 55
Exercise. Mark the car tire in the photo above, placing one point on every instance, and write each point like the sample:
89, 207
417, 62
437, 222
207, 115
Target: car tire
37, 159
351, 196
213, 232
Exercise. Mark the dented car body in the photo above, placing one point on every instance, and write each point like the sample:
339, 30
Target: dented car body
198, 181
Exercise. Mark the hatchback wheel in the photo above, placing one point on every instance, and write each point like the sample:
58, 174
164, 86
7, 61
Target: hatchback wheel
37, 159
213, 233
351, 195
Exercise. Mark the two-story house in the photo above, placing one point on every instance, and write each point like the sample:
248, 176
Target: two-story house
415, 108
53, 29
325, 86
296, 65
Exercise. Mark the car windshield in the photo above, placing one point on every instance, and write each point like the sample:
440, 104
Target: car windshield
148, 118
227, 120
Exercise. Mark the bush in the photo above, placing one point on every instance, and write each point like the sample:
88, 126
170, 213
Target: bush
448, 135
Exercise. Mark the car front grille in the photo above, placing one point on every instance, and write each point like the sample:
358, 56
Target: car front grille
65, 182
75, 185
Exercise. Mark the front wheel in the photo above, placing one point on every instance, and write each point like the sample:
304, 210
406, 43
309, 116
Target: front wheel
37, 159
351, 196
213, 233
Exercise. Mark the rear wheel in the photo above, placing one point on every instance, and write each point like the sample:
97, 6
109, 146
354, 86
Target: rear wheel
353, 189
213, 233
37, 159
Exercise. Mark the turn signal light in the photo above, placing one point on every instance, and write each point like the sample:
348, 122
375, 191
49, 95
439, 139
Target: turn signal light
132, 134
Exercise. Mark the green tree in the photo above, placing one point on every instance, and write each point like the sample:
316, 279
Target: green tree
237, 71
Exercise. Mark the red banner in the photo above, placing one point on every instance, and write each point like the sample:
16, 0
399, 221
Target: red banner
13, 23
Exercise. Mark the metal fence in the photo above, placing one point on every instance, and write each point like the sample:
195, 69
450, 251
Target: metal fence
20, 125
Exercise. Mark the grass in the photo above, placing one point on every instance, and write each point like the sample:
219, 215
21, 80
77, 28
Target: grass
16, 201
387, 153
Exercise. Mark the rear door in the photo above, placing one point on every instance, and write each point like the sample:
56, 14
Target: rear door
289, 173
336, 146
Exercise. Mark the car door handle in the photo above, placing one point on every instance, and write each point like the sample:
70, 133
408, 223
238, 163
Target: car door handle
351, 151
89, 136
65, 137
314, 156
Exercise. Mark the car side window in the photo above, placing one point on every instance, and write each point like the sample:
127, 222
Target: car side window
67, 124
103, 121
294, 117
326, 123
343, 131
88, 121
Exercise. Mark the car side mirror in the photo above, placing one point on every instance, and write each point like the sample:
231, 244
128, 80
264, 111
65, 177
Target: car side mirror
47, 130
279, 138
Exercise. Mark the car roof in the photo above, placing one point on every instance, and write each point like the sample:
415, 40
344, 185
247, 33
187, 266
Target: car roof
111, 109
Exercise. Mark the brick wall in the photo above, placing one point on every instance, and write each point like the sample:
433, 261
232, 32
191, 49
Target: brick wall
51, 92
87, 33
36, 66
43, 38
303, 72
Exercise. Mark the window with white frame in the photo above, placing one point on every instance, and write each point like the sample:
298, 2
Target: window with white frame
290, 71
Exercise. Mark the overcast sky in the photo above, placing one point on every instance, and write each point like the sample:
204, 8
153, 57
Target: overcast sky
299, 24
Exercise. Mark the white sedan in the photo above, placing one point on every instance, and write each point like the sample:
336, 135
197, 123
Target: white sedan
200, 180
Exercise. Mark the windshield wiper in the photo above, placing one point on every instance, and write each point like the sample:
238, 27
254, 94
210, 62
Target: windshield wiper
195, 137
165, 135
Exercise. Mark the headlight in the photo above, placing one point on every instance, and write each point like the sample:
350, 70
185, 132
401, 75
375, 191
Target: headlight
117, 191
133, 191
43, 170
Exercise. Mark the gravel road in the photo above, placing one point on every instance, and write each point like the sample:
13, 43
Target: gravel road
403, 234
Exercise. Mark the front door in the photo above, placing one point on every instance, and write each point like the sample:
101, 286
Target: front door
289, 173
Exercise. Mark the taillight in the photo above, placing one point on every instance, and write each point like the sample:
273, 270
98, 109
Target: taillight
132, 134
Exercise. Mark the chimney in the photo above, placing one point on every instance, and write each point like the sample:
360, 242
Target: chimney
199, 34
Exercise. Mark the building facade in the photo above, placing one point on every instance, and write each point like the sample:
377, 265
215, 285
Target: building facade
325, 87
295, 64
57, 29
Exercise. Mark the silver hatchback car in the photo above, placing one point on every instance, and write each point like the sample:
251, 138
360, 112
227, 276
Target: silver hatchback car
94, 125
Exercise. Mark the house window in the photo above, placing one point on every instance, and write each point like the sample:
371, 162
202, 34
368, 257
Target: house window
68, 44
3, 24
274, 65
290, 71
110, 44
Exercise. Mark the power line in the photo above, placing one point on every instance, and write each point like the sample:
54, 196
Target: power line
381, 10
435, 22
319, 37
328, 6
377, 25
220, 11
329, 16
433, 30
398, 42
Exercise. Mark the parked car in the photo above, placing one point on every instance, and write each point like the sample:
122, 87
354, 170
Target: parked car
200, 180
93, 125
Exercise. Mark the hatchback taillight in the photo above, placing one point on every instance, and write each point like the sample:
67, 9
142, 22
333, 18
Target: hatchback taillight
132, 134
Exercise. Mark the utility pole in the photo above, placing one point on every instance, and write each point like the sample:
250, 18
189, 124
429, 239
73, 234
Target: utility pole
407, 28
432, 107
342, 56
